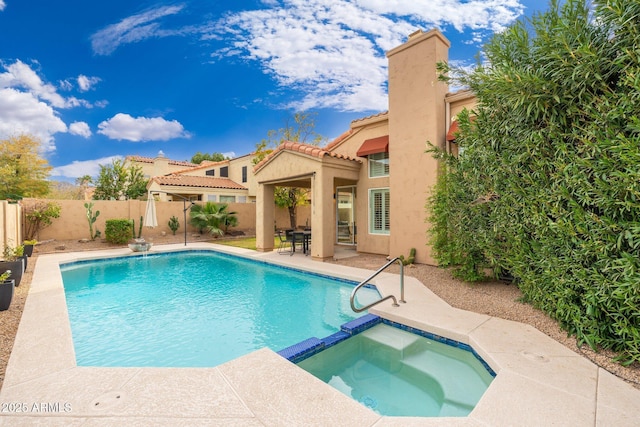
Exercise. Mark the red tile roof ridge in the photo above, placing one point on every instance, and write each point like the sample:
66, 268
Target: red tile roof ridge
330, 146
143, 159
203, 165
197, 181
373, 116
300, 147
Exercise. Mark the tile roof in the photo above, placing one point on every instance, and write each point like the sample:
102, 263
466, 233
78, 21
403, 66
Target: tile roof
142, 159
373, 116
333, 144
204, 165
197, 181
310, 150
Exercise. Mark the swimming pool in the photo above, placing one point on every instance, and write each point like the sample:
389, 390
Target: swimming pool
196, 308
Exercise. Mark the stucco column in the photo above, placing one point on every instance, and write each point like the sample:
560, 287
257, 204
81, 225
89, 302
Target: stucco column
265, 217
322, 218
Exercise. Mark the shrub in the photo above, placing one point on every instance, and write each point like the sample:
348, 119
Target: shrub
548, 185
174, 224
118, 231
39, 216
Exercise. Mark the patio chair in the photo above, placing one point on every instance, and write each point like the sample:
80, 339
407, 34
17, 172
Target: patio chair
286, 243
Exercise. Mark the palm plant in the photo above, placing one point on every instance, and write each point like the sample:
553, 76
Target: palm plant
213, 217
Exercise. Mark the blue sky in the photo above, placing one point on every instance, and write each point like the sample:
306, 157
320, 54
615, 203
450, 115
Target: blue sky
100, 80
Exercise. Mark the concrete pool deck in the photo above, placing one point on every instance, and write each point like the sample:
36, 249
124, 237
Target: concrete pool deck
539, 381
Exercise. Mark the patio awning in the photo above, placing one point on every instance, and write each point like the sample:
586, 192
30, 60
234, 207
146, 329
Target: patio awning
453, 130
374, 145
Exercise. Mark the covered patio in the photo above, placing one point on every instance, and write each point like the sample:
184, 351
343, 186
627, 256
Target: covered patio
300, 165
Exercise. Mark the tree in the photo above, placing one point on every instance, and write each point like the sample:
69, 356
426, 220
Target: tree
548, 185
213, 217
38, 216
23, 173
62, 190
116, 181
299, 128
213, 157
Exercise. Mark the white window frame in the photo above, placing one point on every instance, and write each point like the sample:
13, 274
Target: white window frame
386, 201
378, 163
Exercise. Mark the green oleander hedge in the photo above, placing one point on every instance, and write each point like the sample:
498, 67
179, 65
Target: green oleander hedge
547, 188
118, 231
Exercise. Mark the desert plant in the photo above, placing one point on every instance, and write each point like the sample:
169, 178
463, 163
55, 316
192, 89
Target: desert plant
410, 259
118, 231
39, 216
174, 224
5, 276
91, 218
213, 217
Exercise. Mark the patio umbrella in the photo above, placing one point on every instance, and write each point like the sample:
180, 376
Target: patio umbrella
150, 219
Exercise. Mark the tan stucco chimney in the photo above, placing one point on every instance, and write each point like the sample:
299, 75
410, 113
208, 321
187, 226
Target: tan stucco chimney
160, 164
416, 115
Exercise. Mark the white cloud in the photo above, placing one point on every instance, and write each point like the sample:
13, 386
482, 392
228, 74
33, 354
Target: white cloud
77, 169
86, 83
21, 75
28, 104
2, 5
123, 126
133, 29
22, 112
80, 128
333, 51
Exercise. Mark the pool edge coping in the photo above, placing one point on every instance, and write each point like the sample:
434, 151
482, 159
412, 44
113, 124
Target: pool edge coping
46, 288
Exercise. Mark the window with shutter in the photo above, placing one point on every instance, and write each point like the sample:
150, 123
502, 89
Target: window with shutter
378, 165
379, 206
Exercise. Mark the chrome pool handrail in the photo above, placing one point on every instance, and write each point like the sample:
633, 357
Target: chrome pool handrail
365, 281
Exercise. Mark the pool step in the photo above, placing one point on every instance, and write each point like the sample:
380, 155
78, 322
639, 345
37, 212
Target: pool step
397, 350
391, 337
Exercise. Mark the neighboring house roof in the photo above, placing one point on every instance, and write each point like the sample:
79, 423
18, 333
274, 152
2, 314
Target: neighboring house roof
204, 165
197, 181
310, 150
141, 159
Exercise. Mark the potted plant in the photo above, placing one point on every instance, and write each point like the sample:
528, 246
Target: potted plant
28, 246
18, 252
11, 262
7, 287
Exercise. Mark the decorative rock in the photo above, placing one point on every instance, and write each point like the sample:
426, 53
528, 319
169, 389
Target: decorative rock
84, 241
61, 248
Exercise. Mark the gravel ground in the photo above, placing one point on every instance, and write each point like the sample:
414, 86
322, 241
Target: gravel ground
492, 298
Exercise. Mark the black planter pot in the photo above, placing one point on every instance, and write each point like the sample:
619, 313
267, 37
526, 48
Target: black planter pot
24, 259
28, 250
6, 293
16, 268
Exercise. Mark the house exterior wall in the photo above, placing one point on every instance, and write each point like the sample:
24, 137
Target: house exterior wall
416, 115
455, 104
159, 166
197, 193
363, 130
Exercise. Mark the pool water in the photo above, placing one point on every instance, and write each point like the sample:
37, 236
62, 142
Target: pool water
398, 373
196, 308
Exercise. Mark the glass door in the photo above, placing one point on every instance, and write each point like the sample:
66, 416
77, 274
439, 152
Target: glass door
346, 215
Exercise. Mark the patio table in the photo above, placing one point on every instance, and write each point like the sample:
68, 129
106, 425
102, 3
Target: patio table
304, 237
